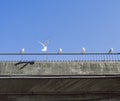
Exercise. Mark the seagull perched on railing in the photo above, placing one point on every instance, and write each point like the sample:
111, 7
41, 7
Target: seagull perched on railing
111, 50
83, 50
22, 51
60, 51
44, 49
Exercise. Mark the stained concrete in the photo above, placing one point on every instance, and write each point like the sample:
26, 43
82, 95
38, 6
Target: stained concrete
17, 84
60, 68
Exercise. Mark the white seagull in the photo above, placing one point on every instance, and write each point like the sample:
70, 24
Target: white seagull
44, 45
60, 51
83, 50
111, 50
22, 51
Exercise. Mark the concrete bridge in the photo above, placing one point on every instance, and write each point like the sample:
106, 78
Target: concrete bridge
60, 81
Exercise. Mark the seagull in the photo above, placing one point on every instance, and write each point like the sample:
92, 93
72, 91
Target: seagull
83, 50
60, 51
111, 50
22, 51
44, 49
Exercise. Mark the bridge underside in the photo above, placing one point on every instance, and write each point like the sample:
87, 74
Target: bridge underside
60, 88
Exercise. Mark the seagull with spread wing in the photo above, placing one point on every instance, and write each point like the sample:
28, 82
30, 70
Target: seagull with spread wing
44, 45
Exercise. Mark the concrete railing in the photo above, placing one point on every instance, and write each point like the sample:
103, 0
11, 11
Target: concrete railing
63, 57
59, 68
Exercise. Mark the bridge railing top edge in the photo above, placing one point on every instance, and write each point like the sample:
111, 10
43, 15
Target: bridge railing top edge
59, 53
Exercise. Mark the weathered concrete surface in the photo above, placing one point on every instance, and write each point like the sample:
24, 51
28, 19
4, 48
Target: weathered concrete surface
60, 68
60, 89
60, 81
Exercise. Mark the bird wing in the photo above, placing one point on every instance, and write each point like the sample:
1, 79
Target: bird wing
41, 43
46, 42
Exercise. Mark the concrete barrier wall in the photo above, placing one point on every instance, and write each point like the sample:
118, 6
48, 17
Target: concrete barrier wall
60, 68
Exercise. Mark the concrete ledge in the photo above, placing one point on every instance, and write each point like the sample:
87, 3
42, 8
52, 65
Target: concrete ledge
59, 76
60, 68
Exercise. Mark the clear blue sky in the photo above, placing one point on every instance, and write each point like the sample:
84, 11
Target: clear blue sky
68, 24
